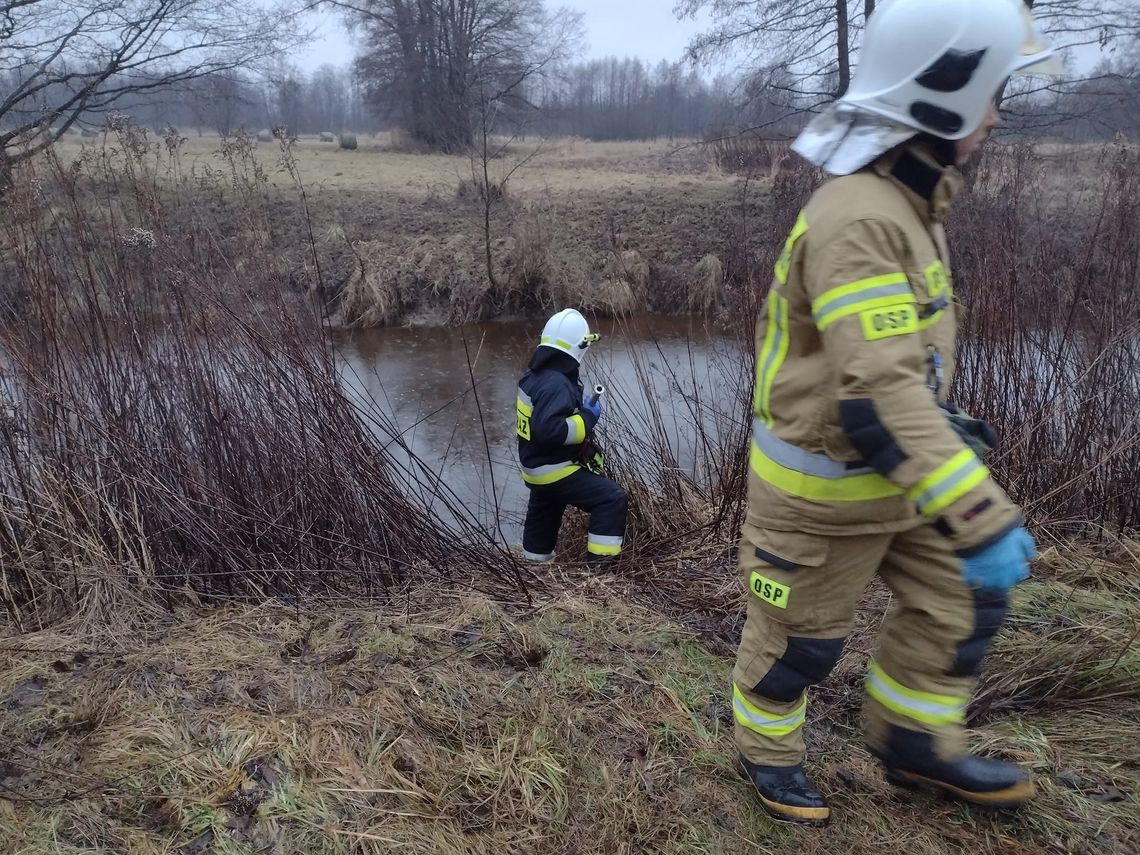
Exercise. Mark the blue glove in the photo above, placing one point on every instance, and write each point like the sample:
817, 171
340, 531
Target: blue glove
1002, 565
594, 409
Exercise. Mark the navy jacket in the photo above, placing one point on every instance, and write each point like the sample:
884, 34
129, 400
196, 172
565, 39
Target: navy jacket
550, 422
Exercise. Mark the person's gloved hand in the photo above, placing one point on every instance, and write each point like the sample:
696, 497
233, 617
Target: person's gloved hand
594, 409
1002, 565
979, 435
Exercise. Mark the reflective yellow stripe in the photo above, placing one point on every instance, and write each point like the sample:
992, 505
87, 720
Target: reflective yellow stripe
948, 483
784, 262
548, 474
602, 549
604, 544
575, 430
855, 488
556, 342
926, 707
768, 724
772, 355
872, 293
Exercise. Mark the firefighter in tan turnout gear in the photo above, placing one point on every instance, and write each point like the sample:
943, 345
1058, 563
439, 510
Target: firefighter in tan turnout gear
859, 465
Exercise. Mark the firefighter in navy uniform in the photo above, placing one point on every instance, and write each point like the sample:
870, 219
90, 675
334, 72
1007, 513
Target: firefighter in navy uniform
559, 462
859, 464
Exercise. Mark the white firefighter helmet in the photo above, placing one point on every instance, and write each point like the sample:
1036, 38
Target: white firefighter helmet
569, 332
936, 65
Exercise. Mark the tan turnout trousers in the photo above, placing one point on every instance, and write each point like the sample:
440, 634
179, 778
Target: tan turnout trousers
803, 592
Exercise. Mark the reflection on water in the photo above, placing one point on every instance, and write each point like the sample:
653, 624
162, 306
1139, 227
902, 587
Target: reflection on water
449, 395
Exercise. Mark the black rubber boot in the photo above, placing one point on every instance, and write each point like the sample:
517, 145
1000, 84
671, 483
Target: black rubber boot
787, 794
911, 762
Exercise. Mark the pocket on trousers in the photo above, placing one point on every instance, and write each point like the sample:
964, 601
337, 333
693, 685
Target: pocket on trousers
771, 560
786, 550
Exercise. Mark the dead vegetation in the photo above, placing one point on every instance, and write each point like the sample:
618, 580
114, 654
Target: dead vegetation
217, 632
417, 225
590, 724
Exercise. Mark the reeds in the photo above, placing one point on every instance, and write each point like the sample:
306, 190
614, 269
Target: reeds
175, 426
164, 439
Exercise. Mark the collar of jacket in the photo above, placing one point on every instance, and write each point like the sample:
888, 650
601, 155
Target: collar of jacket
928, 185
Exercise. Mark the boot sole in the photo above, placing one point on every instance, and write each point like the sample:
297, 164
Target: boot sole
1009, 798
812, 817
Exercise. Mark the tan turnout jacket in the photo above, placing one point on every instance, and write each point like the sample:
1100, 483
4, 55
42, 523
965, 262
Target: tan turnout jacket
854, 350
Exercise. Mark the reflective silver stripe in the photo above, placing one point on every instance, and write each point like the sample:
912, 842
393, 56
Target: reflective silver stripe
604, 539
792, 457
575, 430
541, 558
539, 471
937, 491
897, 290
525, 398
927, 710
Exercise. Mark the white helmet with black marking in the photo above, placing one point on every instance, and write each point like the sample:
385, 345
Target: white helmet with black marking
569, 332
936, 65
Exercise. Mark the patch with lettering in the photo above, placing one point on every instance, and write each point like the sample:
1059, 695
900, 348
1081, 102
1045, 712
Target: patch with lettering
522, 423
937, 283
888, 321
769, 591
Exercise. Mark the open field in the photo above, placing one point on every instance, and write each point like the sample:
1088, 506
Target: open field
560, 165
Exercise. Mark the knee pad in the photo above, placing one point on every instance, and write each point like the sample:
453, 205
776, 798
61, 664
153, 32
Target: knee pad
989, 615
617, 498
805, 662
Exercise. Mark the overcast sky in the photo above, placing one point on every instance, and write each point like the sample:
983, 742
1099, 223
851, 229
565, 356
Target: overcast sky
642, 28
646, 29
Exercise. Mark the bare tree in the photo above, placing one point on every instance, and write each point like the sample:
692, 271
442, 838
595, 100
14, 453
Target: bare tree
806, 43
65, 61
810, 44
438, 65
330, 91
222, 99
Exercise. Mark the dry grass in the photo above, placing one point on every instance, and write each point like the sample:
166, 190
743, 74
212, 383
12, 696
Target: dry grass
410, 230
219, 459
379, 164
587, 725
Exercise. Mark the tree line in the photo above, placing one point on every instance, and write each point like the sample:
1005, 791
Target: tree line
450, 73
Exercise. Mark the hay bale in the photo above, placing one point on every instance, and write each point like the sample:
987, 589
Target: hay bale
265, 135
88, 133
348, 142
328, 136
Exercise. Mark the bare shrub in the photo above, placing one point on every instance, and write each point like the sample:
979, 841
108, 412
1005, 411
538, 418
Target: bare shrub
175, 428
747, 153
478, 190
371, 295
708, 278
624, 288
